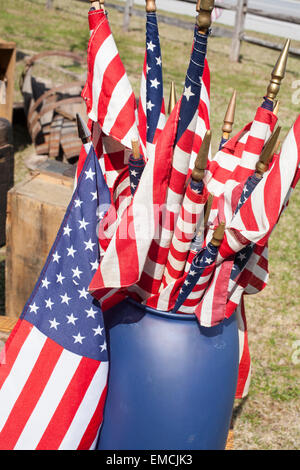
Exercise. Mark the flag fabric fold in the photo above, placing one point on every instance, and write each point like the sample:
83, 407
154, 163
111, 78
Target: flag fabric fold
151, 110
189, 124
108, 94
138, 225
54, 365
190, 217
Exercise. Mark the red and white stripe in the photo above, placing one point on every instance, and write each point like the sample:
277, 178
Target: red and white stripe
216, 13
189, 144
125, 257
258, 216
50, 398
236, 161
244, 375
108, 93
190, 218
251, 280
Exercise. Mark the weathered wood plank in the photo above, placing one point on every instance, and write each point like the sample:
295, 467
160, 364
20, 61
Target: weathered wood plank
269, 44
35, 209
240, 18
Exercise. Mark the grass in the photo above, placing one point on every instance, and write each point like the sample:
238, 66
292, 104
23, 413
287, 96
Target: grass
269, 417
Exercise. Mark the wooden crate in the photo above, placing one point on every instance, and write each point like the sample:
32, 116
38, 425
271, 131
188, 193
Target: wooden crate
7, 74
6, 171
35, 209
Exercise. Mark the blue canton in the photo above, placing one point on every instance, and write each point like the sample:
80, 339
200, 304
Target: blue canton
136, 168
61, 306
201, 261
154, 78
249, 187
243, 256
240, 260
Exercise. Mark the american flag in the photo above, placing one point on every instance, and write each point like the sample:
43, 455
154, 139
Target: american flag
188, 140
188, 223
225, 178
151, 110
135, 168
54, 366
138, 225
249, 273
108, 94
201, 263
258, 216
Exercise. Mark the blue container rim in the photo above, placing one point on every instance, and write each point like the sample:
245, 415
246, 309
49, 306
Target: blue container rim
161, 313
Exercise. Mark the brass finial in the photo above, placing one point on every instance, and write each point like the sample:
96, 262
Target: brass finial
204, 8
83, 130
267, 153
172, 98
276, 108
150, 6
135, 149
201, 160
229, 116
218, 235
278, 72
95, 4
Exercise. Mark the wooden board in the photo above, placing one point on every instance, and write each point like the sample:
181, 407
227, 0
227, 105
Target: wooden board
7, 72
35, 209
6, 176
7, 324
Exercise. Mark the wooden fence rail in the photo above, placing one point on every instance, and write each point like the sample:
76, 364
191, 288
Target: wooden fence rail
242, 9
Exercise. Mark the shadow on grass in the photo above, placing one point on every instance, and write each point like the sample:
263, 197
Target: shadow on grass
238, 409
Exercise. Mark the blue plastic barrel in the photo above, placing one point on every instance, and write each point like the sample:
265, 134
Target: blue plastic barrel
171, 382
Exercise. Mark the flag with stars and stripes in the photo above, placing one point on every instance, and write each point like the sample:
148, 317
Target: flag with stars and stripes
151, 110
191, 127
109, 97
201, 267
54, 365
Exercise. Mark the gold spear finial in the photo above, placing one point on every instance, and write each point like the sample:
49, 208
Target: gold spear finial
276, 108
150, 6
95, 4
172, 98
278, 72
135, 149
204, 8
218, 235
229, 116
267, 153
201, 160
207, 208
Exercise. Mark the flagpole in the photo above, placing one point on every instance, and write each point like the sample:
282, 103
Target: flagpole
278, 72
268, 151
84, 133
229, 118
95, 4
135, 149
193, 204
150, 6
201, 160
204, 8
172, 98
